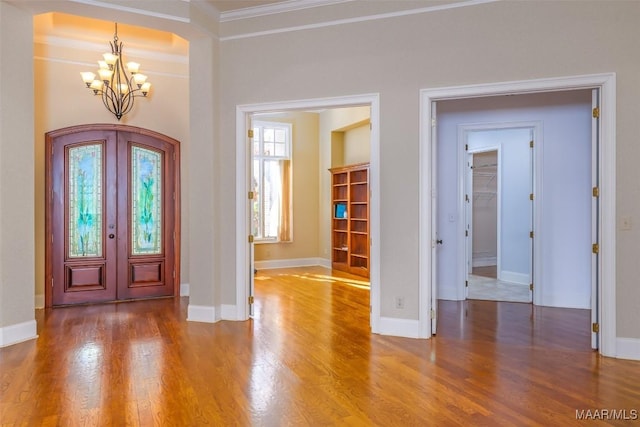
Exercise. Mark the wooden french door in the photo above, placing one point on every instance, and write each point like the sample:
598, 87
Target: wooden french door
112, 222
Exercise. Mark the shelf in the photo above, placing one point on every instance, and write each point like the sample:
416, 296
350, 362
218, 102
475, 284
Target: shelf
350, 237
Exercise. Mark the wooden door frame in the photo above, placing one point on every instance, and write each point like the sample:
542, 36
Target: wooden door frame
49, 138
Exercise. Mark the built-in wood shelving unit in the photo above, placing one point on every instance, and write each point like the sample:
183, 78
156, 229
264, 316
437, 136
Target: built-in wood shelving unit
350, 219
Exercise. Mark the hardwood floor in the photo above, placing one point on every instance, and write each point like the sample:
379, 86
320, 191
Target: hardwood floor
308, 359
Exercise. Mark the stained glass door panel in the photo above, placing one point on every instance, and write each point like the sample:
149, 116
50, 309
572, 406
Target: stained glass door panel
82, 267
146, 192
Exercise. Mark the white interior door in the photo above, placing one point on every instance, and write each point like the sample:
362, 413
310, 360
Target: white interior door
468, 224
253, 199
435, 242
595, 216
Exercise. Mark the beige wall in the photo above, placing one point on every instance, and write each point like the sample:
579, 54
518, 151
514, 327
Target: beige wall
357, 144
16, 171
305, 190
492, 42
62, 100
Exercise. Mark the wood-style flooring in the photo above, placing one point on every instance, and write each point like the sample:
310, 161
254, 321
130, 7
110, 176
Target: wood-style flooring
309, 359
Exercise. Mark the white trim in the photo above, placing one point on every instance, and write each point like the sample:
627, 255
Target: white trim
201, 313
92, 66
513, 277
20, 332
291, 263
229, 312
136, 53
406, 328
607, 85
242, 203
346, 21
628, 348
39, 301
272, 9
485, 261
536, 126
185, 289
143, 12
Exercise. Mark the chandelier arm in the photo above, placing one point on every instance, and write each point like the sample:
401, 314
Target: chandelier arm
109, 99
127, 102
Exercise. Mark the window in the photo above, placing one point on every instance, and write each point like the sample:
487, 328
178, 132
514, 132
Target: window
271, 178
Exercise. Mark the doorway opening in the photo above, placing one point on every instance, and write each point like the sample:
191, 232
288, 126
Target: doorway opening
602, 295
498, 176
270, 255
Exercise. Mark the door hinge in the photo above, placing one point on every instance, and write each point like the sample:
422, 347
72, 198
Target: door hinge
466, 283
596, 192
596, 113
466, 147
251, 195
174, 195
595, 248
530, 286
250, 238
52, 282
433, 313
433, 123
530, 144
174, 274
250, 133
174, 156
251, 300
531, 234
466, 233
466, 198
595, 327
530, 196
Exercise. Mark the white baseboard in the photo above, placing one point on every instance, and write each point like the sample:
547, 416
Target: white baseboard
229, 312
293, 262
484, 261
201, 313
39, 301
628, 348
184, 289
513, 277
399, 327
20, 332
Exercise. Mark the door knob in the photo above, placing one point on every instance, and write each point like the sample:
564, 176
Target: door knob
439, 242
111, 236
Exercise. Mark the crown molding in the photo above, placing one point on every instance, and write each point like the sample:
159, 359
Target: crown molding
428, 9
130, 9
69, 43
272, 9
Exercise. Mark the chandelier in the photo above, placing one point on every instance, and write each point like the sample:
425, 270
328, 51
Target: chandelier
117, 87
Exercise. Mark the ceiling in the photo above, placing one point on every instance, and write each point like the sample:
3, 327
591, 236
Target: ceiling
231, 5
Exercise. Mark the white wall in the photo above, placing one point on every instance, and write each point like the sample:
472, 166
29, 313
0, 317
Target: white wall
565, 193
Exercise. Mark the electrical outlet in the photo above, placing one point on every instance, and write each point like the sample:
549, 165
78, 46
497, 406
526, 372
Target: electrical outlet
400, 302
